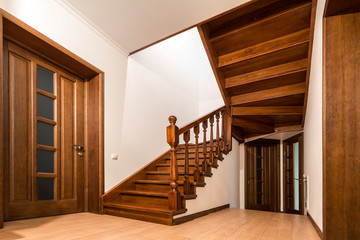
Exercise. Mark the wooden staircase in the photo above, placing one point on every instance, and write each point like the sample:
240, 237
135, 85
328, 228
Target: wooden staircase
260, 53
159, 191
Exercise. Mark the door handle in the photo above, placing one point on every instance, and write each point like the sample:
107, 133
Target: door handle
79, 148
298, 180
248, 180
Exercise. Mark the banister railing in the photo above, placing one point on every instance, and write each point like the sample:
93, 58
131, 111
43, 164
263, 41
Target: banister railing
212, 149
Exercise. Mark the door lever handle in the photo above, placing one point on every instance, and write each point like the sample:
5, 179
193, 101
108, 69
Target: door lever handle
79, 147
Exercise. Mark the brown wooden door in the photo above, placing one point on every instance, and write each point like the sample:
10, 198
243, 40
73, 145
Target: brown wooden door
293, 175
262, 175
45, 117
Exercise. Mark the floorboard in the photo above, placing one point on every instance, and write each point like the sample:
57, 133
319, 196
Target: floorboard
229, 224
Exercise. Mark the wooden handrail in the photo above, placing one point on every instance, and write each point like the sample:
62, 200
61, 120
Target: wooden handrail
209, 157
198, 121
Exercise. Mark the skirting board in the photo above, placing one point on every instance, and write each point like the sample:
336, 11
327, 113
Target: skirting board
319, 232
198, 214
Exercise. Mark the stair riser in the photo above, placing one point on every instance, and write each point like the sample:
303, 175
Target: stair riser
145, 200
180, 169
167, 177
161, 188
156, 218
182, 161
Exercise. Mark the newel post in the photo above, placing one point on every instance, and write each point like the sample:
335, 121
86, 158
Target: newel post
227, 133
173, 141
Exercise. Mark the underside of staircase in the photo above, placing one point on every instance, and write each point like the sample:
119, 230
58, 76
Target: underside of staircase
144, 195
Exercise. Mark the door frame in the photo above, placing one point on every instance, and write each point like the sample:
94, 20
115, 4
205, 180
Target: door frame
29, 38
297, 138
277, 176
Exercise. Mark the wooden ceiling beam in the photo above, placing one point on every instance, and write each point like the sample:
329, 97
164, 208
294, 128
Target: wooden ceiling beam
269, 94
267, 73
276, 110
252, 125
260, 49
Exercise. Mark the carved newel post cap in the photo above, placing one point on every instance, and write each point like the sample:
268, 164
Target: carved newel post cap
172, 120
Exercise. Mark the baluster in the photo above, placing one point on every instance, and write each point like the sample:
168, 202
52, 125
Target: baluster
186, 180
196, 171
218, 146
205, 163
222, 147
173, 141
212, 161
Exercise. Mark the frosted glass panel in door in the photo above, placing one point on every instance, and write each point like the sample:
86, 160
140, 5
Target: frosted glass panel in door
296, 176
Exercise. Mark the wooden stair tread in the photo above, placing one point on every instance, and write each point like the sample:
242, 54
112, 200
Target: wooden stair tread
267, 47
166, 182
144, 209
264, 21
144, 193
267, 73
154, 194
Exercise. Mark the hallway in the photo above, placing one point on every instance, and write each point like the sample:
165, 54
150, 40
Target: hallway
227, 224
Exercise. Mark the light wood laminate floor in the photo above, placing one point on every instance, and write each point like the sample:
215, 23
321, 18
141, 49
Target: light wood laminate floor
227, 224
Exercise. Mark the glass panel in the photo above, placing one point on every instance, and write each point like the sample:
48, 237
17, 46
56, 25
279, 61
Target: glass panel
258, 151
45, 134
259, 187
258, 175
296, 176
258, 162
259, 199
45, 107
45, 189
45, 161
45, 79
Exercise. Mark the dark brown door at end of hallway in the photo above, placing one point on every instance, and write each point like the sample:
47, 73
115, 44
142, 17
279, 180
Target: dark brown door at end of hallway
262, 175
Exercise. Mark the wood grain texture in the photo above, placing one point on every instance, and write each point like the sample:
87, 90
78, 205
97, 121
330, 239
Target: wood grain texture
232, 224
264, 48
269, 94
267, 73
252, 125
57, 55
333, 8
341, 119
1, 128
276, 110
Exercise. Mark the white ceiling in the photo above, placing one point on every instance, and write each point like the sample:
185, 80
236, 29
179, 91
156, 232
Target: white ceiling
133, 24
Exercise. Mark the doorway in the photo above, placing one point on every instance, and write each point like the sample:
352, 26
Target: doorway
293, 175
68, 182
44, 132
262, 175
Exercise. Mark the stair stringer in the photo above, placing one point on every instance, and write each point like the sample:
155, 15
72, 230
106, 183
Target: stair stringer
128, 183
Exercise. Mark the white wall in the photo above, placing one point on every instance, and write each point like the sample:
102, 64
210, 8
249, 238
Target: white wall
313, 125
242, 176
220, 189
